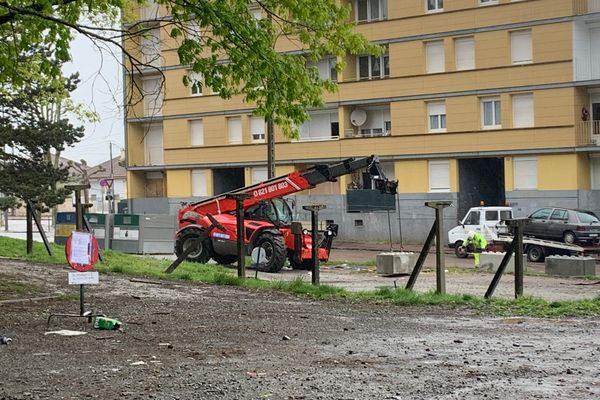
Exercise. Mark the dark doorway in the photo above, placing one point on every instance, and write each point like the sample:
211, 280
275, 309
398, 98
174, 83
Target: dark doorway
480, 180
228, 179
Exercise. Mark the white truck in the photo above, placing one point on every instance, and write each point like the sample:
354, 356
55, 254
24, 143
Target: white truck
486, 220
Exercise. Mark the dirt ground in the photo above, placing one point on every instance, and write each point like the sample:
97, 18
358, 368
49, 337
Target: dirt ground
192, 341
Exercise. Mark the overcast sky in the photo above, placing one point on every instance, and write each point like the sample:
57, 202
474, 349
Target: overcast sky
101, 91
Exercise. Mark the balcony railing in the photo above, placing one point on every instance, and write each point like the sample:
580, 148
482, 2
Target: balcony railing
586, 6
351, 133
588, 133
593, 6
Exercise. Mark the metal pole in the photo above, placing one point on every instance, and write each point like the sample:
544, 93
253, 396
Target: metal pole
390, 229
399, 220
239, 218
439, 251
111, 204
314, 221
519, 260
6, 220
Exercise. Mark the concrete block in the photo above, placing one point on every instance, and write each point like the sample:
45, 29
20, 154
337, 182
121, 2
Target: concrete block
570, 266
396, 263
490, 261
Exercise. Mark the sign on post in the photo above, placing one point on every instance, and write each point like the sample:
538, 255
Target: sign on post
82, 251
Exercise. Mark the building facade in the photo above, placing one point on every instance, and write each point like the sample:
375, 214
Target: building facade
474, 101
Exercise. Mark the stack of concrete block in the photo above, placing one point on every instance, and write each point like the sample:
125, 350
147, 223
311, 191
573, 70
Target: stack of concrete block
570, 266
396, 263
490, 261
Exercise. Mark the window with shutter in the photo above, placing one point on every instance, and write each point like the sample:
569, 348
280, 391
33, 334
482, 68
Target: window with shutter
153, 97
234, 127
439, 176
525, 173
522, 107
465, 53
437, 116
520, 45
199, 187
197, 132
435, 56
259, 174
153, 144
490, 113
257, 129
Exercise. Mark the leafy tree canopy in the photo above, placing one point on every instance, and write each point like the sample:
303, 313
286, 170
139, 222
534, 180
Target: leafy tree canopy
220, 39
32, 129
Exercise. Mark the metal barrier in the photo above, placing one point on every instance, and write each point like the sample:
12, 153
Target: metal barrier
63, 226
126, 233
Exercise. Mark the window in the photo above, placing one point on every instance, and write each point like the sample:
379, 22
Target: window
464, 49
257, 129
150, 47
522, 108
153, 145
371, 10
199, 187
487, 2
153, 96
234, 130
525, 172
437, 116
322, 125
490, 113
326, 68
374, 67
434, 5
439, 176
256, 12
560, 215
595, 171
259, 174
542, 213
197, 132
195, 83
520, 47
491, 215
435, 56
473, 218
378, 122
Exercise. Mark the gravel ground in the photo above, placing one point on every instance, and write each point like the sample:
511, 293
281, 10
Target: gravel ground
191, 341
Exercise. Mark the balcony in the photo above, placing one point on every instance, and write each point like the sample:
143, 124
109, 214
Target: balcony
588, 133
364, 133
593, 6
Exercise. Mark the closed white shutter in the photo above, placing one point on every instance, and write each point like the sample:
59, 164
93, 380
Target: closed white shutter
235, 130
197, 132
153, 143
520, 43
199, 187
435, 56
595, 172
439, 176
257, 129
153, 97
259, 174
525, 172
151, 47
522, 105
465, 53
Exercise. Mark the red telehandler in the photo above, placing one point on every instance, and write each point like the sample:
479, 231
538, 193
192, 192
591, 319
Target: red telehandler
268, 219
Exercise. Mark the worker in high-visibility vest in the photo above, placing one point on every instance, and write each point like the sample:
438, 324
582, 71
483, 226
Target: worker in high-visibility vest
477, 240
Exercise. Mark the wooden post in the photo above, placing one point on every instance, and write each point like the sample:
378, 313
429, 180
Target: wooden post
440, 261
29, 221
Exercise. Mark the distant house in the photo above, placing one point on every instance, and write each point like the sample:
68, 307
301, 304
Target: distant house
102, 179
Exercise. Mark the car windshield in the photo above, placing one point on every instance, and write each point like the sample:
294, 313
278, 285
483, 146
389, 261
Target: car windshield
586, 218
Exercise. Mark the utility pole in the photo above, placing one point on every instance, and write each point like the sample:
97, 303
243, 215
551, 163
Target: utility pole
270, 149
111, 192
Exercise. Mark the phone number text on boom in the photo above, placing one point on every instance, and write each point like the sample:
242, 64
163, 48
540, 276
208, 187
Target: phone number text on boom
270, 189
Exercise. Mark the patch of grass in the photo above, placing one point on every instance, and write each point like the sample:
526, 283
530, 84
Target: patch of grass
10, 288
153, 268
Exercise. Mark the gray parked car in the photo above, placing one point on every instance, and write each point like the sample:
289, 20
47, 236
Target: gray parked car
563, 224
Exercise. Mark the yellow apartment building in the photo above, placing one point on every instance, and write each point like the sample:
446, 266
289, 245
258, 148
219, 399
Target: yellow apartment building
475, 101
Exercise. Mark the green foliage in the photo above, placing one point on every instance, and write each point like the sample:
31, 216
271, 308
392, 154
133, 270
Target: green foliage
33, 126
149, 267
235, 53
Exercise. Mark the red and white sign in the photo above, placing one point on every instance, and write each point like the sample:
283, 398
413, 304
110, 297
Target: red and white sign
108, 182
81, 250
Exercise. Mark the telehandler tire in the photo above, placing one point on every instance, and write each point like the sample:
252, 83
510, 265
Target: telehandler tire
200, 255
274, 251
225, 259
